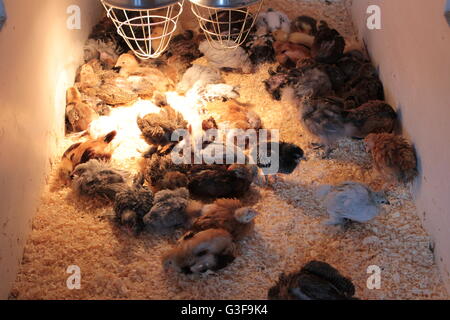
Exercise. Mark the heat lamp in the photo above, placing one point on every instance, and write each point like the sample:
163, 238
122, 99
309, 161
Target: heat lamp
226, 23
146, 26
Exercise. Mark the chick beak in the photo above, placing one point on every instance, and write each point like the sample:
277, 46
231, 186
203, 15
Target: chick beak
117, 69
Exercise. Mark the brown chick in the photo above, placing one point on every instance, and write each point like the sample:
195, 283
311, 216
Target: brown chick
79, 114
212, 249
216, 181
393, 156
82, 152
234, 115
157, 129
288, 54
227, 214
372, 117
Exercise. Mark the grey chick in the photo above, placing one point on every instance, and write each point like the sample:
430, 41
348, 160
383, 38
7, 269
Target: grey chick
323, 117
312, 82
315, 281
132, 204
98, 179
350, 200
171, 209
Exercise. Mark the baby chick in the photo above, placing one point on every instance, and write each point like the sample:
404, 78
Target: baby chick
311, 81
171, 209
229, 59
217, 181
350, 200
162, 173
287, 156
157, 129
372, 117
288, 54
79, 114
226, 214
304, 24
394, 157
315, 281
211, 249
328, 46
132, 204
234, 115
98, 179
323, 117
83, 152
364, 86
199, 76
272, 20
260, 49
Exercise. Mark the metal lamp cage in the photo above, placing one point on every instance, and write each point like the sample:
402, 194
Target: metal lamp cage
226, 23
146, 26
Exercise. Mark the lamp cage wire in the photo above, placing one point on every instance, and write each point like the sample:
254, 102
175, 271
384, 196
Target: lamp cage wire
226, 28
146, 31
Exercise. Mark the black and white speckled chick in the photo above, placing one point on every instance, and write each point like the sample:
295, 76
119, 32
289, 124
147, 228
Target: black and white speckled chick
260, 48
315, 281
131, 205
328, 46
171, 209
98, 179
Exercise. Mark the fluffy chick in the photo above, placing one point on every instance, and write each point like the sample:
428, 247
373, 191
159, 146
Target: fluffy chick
315, 281
304, 24
323, 117
98, 179
364, 86
171, 209
288, 54
226, 214
132, 204
217, 181
311, 81
211, 249
82, 152
230, 59
107, 52
234, 115
372, 117
272, 20
157, 129
199, 76
328, 46
286, 155
260, 49
78, 113
352, 201
394, 157
162, 173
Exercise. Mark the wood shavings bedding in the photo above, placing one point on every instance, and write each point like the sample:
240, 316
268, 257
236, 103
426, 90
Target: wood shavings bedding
289, 232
